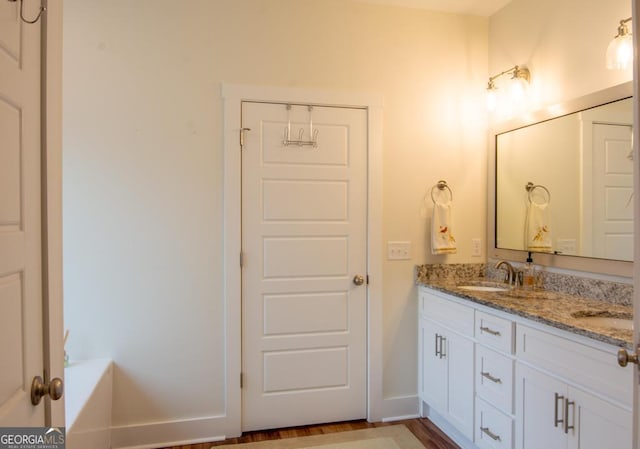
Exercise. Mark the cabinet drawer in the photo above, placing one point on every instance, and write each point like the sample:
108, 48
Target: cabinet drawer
495, 332
494, 378
595, 369
448, 313
494, 430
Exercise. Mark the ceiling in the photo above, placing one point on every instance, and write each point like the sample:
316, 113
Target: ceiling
474, 7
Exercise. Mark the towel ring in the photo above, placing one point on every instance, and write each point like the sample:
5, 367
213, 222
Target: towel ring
530, 187
441, 185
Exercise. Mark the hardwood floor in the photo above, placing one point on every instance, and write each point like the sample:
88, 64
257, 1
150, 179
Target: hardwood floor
428, 434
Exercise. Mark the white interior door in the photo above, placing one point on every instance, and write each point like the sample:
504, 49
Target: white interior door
612, 207
21, 347
303, 241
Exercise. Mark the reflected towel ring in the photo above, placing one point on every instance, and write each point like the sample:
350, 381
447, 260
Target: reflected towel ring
530, 187
441, 185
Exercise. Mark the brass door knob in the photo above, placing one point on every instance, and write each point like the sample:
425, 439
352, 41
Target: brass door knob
624, 358
55, 389
358, 279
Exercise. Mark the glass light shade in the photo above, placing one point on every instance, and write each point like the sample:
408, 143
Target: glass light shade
492, 99
518, 90
620, 52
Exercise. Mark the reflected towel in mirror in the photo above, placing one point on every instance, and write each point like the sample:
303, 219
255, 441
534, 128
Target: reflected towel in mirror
442, 240
537, 228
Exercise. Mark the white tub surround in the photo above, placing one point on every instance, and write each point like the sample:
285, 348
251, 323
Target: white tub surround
88, 404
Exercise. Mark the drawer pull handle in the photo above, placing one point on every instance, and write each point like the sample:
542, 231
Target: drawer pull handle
557, 421
492, 435
440, 346
488, 330
496, 380
567, 404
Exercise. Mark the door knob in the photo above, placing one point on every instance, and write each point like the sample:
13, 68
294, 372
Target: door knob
358, 279
625, 358
54, 389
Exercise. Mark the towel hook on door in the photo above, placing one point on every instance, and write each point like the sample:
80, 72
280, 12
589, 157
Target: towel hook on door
313, 133
42, 9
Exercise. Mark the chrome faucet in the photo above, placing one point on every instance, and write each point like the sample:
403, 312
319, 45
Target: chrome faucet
511, 277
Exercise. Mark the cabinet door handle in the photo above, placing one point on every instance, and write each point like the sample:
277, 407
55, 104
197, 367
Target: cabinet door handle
492, 435
567, 404
438, 337
496, 380
443, 341
556, 420
488, 330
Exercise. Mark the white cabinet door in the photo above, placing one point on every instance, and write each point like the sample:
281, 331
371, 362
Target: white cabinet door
553, 415
447, 375
540, 410
434, 367
460, 357
597, 424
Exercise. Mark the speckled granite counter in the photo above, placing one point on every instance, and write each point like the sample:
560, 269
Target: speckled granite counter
555, 309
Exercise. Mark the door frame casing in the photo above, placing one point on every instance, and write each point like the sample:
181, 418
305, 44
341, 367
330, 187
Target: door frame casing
233, 95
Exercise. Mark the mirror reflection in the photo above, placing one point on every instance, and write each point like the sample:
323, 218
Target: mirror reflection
565, 185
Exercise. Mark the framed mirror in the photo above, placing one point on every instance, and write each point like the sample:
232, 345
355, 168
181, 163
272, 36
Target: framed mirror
563, 185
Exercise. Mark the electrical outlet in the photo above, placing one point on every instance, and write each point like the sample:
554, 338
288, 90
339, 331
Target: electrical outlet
476, 247
398, 250
566, 246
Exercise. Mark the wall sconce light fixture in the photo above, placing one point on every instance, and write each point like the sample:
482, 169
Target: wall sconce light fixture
518, 86
620, 49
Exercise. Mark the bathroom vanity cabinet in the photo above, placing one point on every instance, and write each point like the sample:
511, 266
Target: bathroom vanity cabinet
446, 332
493, 380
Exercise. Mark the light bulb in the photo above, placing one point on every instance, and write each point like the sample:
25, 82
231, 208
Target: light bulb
620, 53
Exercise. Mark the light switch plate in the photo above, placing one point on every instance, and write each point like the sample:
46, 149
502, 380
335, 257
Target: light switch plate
398, 250
476, 247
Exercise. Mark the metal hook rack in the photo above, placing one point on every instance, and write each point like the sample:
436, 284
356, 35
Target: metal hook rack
42, 9
530, 187
442, 186
313, 133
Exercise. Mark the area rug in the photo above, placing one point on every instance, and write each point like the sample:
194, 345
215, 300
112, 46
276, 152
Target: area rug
388, 437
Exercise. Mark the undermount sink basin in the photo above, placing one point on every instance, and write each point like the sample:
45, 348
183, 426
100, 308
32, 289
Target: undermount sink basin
482, 285
606, 319
483, 288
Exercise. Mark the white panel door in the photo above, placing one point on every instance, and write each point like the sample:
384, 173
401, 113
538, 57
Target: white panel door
612, 192
21, 346
303, 242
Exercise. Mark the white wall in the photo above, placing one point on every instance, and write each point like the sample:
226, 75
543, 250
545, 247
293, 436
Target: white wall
563, 43
143, 170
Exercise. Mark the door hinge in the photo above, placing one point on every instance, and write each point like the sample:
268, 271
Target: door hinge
241, 380
242, 130
367, 279
241, 259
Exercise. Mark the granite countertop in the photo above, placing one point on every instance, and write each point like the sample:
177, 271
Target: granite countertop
560, 310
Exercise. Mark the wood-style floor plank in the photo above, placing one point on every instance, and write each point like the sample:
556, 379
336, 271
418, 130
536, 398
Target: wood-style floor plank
424, 430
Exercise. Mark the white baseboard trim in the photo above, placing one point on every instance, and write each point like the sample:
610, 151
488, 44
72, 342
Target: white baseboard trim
400, 407
171, 433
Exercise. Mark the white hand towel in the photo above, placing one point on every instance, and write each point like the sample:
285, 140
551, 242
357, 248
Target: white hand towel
537, 228
442, 240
